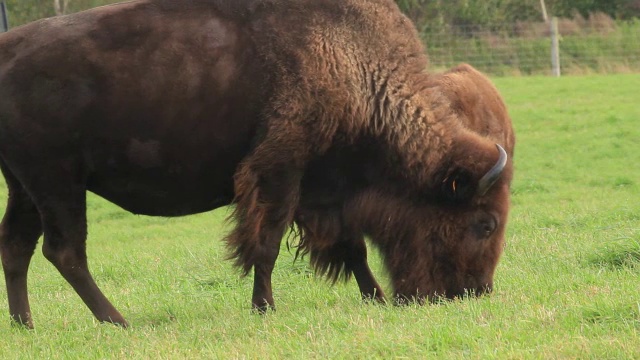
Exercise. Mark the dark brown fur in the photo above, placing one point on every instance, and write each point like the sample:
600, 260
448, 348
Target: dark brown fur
295, 109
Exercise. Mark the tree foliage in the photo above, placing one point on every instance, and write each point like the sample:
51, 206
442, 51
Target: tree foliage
483, 13
617, 9
24, 11
426, 13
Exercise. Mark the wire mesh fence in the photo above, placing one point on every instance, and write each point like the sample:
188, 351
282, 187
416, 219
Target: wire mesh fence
584, 46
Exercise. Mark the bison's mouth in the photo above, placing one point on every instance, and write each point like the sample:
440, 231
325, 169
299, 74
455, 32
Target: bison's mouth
439, 297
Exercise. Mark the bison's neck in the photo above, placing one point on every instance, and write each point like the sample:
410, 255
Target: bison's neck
413, 121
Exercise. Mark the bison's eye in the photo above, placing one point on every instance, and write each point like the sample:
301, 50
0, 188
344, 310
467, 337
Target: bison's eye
484, 227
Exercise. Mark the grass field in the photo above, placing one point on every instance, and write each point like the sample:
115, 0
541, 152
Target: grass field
567, 287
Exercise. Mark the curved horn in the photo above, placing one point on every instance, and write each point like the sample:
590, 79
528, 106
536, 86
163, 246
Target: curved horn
492, 175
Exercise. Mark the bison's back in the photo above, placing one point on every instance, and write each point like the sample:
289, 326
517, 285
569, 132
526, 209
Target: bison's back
152, 108
478, 103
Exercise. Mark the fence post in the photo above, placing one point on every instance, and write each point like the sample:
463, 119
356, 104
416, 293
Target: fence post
555, 48
4, 22
544, 11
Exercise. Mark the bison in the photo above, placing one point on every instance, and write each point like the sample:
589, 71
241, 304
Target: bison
313, 112
465, 238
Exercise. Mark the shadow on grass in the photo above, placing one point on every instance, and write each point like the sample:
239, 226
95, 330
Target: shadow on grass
617, 255
154, 320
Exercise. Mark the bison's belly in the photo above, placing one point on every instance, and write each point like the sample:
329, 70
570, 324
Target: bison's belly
161, 192
171, 178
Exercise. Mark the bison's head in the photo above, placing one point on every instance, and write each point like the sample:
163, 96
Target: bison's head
447, 245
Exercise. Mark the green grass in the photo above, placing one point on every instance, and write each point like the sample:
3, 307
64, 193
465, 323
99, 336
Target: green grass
567, 287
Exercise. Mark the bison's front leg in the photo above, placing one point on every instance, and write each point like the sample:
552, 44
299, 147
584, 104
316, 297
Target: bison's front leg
349, 255
267, 187
356, 262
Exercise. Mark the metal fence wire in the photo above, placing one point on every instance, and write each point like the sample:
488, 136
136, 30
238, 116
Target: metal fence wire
586, 46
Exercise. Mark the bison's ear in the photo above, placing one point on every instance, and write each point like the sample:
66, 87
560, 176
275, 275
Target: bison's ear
458, 185
472, 172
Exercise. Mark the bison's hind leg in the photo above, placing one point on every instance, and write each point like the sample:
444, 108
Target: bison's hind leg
19, 232
65, 231
56, 187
